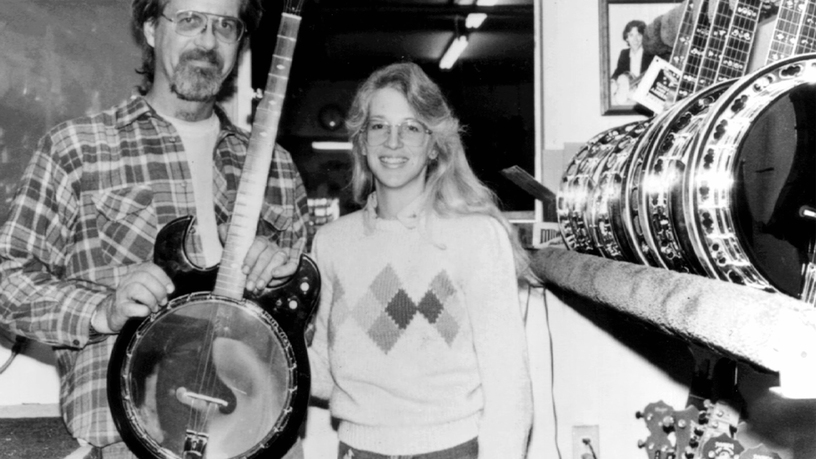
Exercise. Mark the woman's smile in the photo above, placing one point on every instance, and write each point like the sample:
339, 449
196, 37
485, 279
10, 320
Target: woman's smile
391, 161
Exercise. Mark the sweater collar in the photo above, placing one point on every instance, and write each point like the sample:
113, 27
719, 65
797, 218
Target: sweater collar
409, 217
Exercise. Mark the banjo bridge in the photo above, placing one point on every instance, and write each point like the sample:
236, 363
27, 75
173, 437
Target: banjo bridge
189, 398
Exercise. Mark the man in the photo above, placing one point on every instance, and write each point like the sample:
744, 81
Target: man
634, 60
76, 251
632, 63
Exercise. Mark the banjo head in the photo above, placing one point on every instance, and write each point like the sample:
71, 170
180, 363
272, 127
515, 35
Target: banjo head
752, 174
207, 374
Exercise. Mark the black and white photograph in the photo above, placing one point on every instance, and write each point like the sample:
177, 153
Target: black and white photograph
381, 229
625, 55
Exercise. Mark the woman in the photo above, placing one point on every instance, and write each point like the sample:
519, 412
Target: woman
419, 345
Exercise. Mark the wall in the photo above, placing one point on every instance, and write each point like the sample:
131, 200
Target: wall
58, 60
605, 369
571, 73
30, 379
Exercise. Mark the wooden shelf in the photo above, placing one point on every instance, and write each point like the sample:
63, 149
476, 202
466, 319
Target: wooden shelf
769, 330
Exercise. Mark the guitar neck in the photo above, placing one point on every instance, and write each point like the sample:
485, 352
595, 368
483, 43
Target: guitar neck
715, 45
685, 34
694, 57
682, 43
787, 30
807, 32
231, 280
740, 42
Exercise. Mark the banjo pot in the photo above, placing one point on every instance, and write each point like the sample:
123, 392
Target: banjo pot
212, 376
577, 185
665, 161
605, 206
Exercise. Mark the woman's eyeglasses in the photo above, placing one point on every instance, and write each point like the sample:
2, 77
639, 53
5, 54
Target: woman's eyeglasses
410, 132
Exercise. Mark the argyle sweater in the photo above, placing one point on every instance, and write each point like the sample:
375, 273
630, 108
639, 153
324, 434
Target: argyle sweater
419, 342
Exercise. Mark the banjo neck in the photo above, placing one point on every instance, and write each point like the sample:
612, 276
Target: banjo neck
230, 280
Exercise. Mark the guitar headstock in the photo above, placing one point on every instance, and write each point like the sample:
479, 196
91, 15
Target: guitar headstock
686, 427
714, 426
721, 418
658, 419
695, 434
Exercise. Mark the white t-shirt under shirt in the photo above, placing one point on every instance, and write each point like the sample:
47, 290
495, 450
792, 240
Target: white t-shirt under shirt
199, 138
635, 60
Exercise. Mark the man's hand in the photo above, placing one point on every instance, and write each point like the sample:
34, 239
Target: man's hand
142, 291
265, 262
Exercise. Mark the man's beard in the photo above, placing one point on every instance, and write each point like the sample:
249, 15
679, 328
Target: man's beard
195, 83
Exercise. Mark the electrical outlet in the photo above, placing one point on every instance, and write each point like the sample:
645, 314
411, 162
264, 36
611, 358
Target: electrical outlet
586, 442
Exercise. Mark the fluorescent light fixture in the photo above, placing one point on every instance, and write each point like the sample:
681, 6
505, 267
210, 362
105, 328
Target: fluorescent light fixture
474, 20
452, 54
486, 2
331, 146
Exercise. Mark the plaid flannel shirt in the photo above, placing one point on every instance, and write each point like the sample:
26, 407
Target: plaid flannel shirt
92, 199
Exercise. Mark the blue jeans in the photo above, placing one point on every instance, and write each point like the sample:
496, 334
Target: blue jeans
120, 451
467, 450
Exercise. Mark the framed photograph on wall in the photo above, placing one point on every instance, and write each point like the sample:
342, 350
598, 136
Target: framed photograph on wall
623, 59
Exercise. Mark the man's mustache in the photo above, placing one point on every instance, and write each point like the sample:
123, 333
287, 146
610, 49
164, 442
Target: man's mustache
209, 56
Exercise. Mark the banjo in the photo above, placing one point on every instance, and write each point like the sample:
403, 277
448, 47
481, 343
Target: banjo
718, 184
216, 374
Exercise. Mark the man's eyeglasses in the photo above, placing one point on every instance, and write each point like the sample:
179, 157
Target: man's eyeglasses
411, 132
191, 23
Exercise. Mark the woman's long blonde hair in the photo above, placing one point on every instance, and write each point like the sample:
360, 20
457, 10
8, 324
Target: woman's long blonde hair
451, 185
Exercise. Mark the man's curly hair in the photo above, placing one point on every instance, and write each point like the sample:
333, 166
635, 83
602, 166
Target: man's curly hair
143, 11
